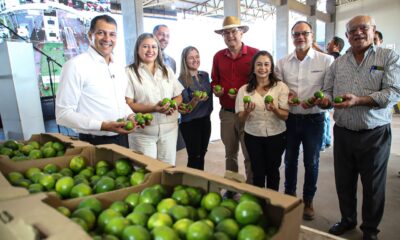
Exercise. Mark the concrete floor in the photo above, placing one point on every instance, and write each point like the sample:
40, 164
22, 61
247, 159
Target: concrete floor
325, 202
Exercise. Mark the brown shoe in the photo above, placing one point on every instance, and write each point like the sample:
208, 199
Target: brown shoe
308, 213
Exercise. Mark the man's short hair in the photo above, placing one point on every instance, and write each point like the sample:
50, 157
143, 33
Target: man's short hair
339, 42
155, 29
106, 18
299, 22
379, 34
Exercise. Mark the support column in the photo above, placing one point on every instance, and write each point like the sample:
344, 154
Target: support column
330, 26
312, 19
232, 8
132, 15
282, 31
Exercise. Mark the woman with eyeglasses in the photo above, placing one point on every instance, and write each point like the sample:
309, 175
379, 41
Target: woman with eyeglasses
196, 108
263, 105
150, 82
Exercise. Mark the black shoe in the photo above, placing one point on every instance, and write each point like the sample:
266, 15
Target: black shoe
341, 227
228, 194
370, 236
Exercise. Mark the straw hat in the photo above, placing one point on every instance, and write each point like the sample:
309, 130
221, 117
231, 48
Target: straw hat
232, 22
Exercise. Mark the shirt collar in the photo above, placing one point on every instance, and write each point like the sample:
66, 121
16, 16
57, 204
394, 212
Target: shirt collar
310, 54
97, 56
243, 51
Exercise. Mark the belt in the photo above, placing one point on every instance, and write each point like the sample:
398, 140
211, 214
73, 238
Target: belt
307, 116
229, 110
90, 136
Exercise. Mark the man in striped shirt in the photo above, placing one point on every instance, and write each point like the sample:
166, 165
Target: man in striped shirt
362, 86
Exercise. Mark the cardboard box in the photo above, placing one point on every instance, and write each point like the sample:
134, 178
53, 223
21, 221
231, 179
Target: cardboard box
93, 154
29, 218
73, 146
284, 212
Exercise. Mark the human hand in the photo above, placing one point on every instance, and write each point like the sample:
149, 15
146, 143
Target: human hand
249, 107
348, 100
293, 100
218, 92
117, 127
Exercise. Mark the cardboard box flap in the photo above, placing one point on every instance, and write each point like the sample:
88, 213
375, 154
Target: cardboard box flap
274, 198
9, 192
47, 221
75, 142
151, 164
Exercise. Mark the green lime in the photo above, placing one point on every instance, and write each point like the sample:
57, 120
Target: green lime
64, 186
164, 233
120, 206
137, 178
14, 176
85, 214
58, 146
228, 226
65, 211
123, 167
199, 231
145, 208
50, 168
179, 212
35, 154
268, 99
135, 233
116, 225
159, 219
35, 188
105, 217
150, 195
338, 99
248, 212
34, 144
181, 197
137, 218
246, 99
47, 181
77, 164
49, 152
105, 184
181, 227
232, 91
217, 88
132, 200
26, 149
219, 213
251, 232
93, 204
211, 200
319, 94
166, 204
80, 190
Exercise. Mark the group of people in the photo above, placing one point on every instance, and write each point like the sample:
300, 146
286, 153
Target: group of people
269, 109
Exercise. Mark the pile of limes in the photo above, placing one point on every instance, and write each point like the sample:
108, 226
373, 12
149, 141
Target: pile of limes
186, 213
79, 180
32, 150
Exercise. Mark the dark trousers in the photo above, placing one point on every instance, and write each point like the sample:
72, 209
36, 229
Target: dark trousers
266, 156
306, 130
121, 140
365, 153
196, 134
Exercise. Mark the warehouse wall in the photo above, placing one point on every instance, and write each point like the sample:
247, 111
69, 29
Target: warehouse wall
385, 13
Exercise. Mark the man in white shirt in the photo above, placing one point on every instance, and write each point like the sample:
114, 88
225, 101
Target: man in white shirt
161, 32
303, 71
91, 93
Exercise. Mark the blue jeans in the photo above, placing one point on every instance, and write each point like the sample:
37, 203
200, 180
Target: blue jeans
326, 139
307, 130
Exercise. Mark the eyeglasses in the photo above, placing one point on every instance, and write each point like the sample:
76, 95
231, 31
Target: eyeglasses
298, 34
232, 31
362, 27
102, 33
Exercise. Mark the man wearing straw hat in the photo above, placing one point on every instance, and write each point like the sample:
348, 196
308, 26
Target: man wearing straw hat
230, 70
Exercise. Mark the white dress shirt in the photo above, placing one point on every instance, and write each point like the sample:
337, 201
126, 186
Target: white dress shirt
304, 77
153, 89
263, 123
90, 92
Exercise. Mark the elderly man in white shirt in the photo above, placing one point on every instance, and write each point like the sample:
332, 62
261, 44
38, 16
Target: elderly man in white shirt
91, 93
303, 71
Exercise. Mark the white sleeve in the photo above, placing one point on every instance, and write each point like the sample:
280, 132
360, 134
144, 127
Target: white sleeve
67, 100
239, 105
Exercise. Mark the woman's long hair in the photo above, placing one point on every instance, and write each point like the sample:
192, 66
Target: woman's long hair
184, 75
136, 59
252, 83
